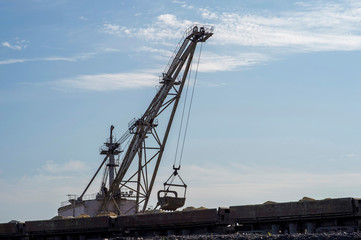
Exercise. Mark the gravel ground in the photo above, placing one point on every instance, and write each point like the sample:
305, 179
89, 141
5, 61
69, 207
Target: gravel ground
323, 236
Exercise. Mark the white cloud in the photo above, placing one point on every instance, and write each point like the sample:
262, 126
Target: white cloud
163, 52
206, 14
114, 29
178, 2
11, 61
211, 62
18, 44
107, 82
313, 26
147, 78
7, 44
165, 27
187, 6
84, 56
318, 27
348, 155
183, 4
111, 50
110, 27
70, 166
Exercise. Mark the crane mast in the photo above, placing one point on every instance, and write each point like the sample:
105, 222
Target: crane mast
146, 143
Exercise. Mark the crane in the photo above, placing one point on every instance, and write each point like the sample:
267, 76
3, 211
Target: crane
146, 143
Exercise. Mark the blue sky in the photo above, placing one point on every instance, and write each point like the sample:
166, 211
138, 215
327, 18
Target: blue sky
276, 113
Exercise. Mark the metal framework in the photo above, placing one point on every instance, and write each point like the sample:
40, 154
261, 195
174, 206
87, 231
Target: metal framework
110, 149
147, 145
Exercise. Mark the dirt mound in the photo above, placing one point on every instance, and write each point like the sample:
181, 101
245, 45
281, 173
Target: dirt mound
110, 214
61, 217
191, 208
305, 199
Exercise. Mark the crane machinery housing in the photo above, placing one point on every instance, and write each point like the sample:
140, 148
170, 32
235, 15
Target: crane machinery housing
131, 182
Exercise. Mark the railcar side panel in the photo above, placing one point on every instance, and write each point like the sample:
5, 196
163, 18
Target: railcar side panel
8, 229
169, 219
68, 225
306, 209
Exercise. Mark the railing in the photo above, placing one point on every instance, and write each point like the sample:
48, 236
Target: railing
176, 50
65, 203
187, 33
72, 199
132, 124
92, 196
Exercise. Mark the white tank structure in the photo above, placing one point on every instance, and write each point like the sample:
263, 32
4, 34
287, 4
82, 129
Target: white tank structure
74, 208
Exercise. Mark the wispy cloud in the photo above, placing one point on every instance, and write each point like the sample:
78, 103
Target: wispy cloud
12, 61
111, 50
163, 52
82, 18
165, 27
79, 57
108, 82
313, 26
317, 26
70, 166
211, 62
114, 29
348, 155
148, 78
207, 14
17, 44
183, 4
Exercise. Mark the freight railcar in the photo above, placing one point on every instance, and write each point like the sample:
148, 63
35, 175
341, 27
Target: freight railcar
293, 217
179, 223
72, 228
298, 217
12, 229
162, 224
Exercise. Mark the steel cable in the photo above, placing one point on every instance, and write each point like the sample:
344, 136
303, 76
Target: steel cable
190, 104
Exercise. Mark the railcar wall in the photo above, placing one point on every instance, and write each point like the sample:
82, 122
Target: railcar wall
169, 218
294, 210
68, 225
200, 221
8, 229
298, 217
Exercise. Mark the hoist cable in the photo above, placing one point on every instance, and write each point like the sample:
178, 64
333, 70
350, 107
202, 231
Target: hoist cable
190, 104
182, 118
